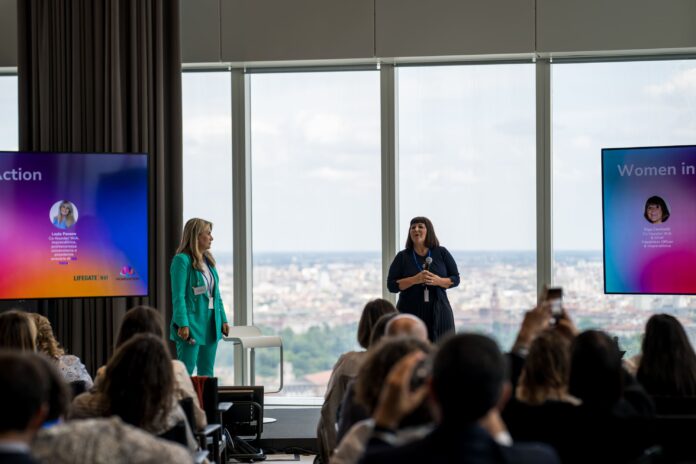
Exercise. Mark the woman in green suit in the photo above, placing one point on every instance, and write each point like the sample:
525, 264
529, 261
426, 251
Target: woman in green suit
198, 319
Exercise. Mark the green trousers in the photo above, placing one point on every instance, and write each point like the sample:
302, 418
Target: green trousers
197, 356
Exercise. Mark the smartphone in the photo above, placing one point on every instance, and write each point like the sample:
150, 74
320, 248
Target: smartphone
554, 296
421, 372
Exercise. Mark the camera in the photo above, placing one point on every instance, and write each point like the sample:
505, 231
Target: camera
421, 372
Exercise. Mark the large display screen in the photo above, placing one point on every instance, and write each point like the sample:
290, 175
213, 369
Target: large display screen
649, 207
74, 225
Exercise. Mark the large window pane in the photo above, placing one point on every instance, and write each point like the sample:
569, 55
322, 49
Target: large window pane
316, 216
9, 116
207, 125
467, 161
604, 105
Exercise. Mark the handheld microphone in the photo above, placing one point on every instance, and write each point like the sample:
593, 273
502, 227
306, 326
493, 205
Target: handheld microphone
428, 262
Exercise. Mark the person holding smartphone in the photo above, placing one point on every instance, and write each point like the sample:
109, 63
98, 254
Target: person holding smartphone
198, 317
420, 274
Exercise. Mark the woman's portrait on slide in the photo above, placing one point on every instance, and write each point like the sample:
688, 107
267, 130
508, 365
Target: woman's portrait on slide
63, 214
656, 210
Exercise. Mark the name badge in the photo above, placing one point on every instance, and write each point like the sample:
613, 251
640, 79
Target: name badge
200, 290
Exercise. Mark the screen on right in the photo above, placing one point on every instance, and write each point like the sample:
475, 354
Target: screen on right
649, 211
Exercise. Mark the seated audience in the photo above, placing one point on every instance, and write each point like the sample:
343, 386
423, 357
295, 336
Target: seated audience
346, 369
350, 411
94, 440
468, 387
406, 325
69, 365
144, 319
17, 331
546, 370
23, 402
138, 386
368, 386
668, 364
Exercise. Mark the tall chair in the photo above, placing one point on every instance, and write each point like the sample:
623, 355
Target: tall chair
249, 338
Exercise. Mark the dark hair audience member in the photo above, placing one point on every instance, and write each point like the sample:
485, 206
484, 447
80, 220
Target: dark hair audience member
373, 310
138, 320
668, 363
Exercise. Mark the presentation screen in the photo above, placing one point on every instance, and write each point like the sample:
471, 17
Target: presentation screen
649, 208
75, 225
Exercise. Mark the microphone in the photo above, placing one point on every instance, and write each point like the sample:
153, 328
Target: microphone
428, 262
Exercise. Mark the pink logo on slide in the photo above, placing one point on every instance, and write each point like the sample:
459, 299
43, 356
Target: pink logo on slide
127, 271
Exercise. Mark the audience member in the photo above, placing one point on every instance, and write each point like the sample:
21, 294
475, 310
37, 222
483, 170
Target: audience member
95, 440
546, 370
70, 366
468, 386
350, 411
668, 363
346, 369
144, 319
138, 386
368, 386
406, 325
17, 331
23, 402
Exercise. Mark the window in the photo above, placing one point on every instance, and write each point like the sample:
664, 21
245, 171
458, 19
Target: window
207, 165
467, 161
315, 141
604, 105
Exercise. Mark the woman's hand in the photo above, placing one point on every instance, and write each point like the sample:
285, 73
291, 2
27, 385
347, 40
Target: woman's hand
183, 333
225, 329
436, 280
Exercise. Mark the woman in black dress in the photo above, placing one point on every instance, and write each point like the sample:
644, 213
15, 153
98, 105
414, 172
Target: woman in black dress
420, 274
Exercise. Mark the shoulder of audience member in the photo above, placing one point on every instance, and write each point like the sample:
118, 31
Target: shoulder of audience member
104, 440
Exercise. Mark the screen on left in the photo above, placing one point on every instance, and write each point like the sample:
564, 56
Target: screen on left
75, 225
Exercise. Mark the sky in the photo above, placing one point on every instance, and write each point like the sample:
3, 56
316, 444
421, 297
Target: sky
466, 147
466, 150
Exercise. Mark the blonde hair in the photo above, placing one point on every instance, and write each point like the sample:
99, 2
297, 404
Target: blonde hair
70, 218
45, 340
189, 242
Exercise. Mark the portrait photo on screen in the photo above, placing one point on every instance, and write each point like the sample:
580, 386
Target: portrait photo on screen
76, 225
649, 220
63, 214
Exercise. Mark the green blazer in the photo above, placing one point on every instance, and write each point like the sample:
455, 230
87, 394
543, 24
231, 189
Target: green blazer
191, 310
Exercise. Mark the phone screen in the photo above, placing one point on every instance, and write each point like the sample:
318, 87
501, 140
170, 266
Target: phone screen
554, 296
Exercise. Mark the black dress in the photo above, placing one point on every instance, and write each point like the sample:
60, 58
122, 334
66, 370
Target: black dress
437, 312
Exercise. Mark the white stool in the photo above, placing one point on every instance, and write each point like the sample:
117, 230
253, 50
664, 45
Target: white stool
249, 338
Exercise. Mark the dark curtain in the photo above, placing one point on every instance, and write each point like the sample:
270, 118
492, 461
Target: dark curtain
105, 76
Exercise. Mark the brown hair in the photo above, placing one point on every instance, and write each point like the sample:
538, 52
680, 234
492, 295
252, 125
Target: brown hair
371, 313
379, 361
189, 242
546, 370
141, 319
431, 240
17, 331
139, 381
45, 340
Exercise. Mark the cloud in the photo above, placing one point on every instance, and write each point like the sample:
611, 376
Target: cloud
333, 175
682, 84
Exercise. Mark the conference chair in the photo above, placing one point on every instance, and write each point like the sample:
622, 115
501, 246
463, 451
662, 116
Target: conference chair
211, 438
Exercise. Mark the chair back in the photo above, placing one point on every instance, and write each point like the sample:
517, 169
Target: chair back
207, 389
177, 434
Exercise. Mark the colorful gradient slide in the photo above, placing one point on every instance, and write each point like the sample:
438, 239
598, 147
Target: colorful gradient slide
75, 225
649, 207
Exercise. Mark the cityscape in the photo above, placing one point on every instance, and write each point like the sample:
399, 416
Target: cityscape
314, 301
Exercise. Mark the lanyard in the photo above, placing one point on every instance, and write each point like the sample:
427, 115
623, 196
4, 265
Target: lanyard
209, 284
415, 259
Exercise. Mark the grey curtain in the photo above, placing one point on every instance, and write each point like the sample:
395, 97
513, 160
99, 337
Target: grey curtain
105, 76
